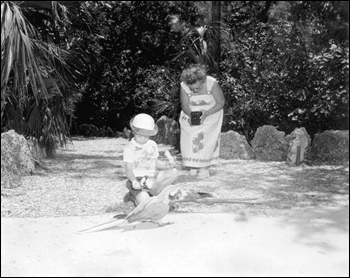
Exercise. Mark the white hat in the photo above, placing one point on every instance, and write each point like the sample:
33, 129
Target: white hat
143, 124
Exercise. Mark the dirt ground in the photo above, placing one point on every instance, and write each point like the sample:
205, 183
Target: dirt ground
297, 224
87, 178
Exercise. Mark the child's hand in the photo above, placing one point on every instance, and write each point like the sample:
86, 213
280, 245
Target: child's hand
171, 165
136, 185
146, 182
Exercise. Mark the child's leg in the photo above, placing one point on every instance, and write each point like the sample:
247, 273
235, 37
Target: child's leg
138, 195
162, 180
141, 196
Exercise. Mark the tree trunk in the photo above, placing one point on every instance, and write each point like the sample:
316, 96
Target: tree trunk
216, 18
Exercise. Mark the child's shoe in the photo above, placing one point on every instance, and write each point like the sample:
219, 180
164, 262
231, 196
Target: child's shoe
129, 201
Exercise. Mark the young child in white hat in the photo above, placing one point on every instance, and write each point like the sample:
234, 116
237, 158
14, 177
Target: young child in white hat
147, 175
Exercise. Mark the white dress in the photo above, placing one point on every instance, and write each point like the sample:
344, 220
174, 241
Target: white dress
200, 144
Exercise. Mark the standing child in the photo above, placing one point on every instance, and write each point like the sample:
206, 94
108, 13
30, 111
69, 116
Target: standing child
200, 141
142, 163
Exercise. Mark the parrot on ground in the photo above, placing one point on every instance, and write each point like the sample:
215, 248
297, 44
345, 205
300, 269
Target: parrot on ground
152, 209
181, 196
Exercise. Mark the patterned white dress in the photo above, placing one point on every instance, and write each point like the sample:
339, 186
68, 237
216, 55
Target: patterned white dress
200, 144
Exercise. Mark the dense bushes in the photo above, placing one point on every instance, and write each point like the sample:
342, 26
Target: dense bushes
283, 63
279, 74
287, 70
136, 48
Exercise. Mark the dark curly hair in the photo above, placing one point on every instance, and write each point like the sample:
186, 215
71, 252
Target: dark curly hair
194, 73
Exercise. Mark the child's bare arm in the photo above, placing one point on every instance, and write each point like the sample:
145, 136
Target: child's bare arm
131, 176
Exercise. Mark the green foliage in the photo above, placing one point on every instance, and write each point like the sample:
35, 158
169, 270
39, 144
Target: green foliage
36, 69
328, 103
43, 65
161, 92
140, 39
283, 63
287, 73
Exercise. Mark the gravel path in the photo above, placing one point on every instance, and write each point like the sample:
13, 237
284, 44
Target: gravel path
87, 178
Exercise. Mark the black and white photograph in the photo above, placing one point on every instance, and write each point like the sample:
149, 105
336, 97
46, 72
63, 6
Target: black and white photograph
174, 139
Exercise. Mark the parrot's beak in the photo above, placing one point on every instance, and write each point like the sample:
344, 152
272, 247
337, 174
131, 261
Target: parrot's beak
175, 194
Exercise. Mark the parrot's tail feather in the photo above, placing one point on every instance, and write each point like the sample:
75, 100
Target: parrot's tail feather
205, 195
103, 226
120, 216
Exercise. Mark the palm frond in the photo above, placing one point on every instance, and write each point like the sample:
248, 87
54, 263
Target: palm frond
163, 107
28, 59
17, 52
35, 74
195, 40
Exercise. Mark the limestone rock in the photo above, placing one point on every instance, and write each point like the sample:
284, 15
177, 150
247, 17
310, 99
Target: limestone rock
269, 144
168, 132
331, 146
298, 138
119, 134
126, 133
235, 146
15, 159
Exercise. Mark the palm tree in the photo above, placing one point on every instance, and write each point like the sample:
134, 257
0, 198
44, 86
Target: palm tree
216, 48
35, 69
201, 44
